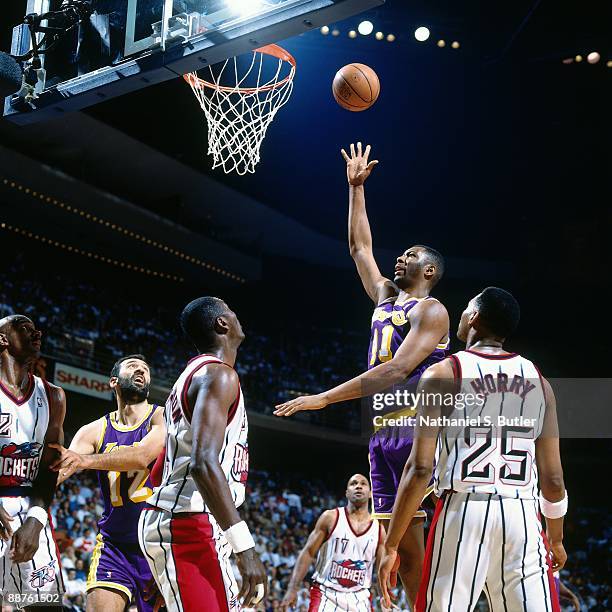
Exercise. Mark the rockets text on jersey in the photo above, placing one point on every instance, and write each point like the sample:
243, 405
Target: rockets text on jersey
178, 491
23, 427
492, 450
346, 559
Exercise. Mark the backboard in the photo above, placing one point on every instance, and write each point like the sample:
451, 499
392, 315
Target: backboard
127, 45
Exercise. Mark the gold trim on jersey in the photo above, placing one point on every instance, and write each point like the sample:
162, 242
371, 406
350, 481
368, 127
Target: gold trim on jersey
418, 514
386, 516
101, 438
109, 585
409, 298
116, 425
370, 479
95, 559
92, 583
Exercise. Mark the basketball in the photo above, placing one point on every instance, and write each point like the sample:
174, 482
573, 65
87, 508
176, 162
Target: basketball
356, 87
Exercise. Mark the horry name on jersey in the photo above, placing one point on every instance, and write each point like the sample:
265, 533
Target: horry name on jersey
500, 384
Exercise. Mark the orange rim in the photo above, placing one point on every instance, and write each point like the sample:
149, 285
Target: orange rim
272, 50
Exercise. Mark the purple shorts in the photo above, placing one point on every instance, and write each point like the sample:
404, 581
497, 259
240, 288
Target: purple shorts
389, 450
122, 567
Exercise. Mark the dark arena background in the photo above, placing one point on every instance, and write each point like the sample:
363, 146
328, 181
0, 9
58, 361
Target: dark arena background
495, 151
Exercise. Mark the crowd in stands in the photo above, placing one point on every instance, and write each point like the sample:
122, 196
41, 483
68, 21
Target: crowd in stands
281, 511
93, 328
96, 327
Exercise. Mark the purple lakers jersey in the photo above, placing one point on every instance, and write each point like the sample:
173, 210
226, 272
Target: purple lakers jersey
124, 493
390, 326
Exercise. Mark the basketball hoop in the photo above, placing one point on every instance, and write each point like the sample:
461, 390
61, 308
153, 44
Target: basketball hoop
238, 115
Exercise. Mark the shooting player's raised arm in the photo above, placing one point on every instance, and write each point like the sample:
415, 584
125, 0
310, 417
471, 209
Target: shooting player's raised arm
358, 169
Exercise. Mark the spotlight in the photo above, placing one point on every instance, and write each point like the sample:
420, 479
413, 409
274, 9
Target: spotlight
335, 32
593, 57
609, 63
421, 34
441, 43
325, 30
244, 7
365, 28
379, 35
568, 60
391, 37
455, 44
578, 58
352, 34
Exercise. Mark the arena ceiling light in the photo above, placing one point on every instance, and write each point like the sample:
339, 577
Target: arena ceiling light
593, 57
244, 7
366, 28
421, 33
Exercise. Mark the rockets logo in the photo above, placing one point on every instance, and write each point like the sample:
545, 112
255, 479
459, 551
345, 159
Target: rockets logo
19, 463
41, 576
240, 467
348, 573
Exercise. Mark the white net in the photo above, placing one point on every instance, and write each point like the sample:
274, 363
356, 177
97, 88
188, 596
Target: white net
238, 115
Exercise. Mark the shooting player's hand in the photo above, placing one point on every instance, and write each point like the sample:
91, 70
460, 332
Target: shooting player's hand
357, 166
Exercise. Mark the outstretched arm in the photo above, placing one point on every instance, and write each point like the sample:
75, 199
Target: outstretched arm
307, 555
358, 168
428, 326
550, 473
82, 452
25, 540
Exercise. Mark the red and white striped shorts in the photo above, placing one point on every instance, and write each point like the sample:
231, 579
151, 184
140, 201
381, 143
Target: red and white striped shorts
190, 561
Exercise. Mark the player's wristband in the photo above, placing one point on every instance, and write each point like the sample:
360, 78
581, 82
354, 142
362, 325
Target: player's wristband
553, 510
40, 514
239, 537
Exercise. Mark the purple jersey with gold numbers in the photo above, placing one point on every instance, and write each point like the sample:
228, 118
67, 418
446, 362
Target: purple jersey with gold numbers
124, 493
390, 326
390, 446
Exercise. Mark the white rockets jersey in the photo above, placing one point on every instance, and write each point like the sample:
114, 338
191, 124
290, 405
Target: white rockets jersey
178, 491
346, 559
492, 447
23, 427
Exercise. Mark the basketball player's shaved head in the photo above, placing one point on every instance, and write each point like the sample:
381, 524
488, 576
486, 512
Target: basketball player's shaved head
10, 321
358, 478
207, 320
358, 490
494, 312
20, 336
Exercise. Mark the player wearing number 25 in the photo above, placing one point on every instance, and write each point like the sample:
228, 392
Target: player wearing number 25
121, 446
486, 534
